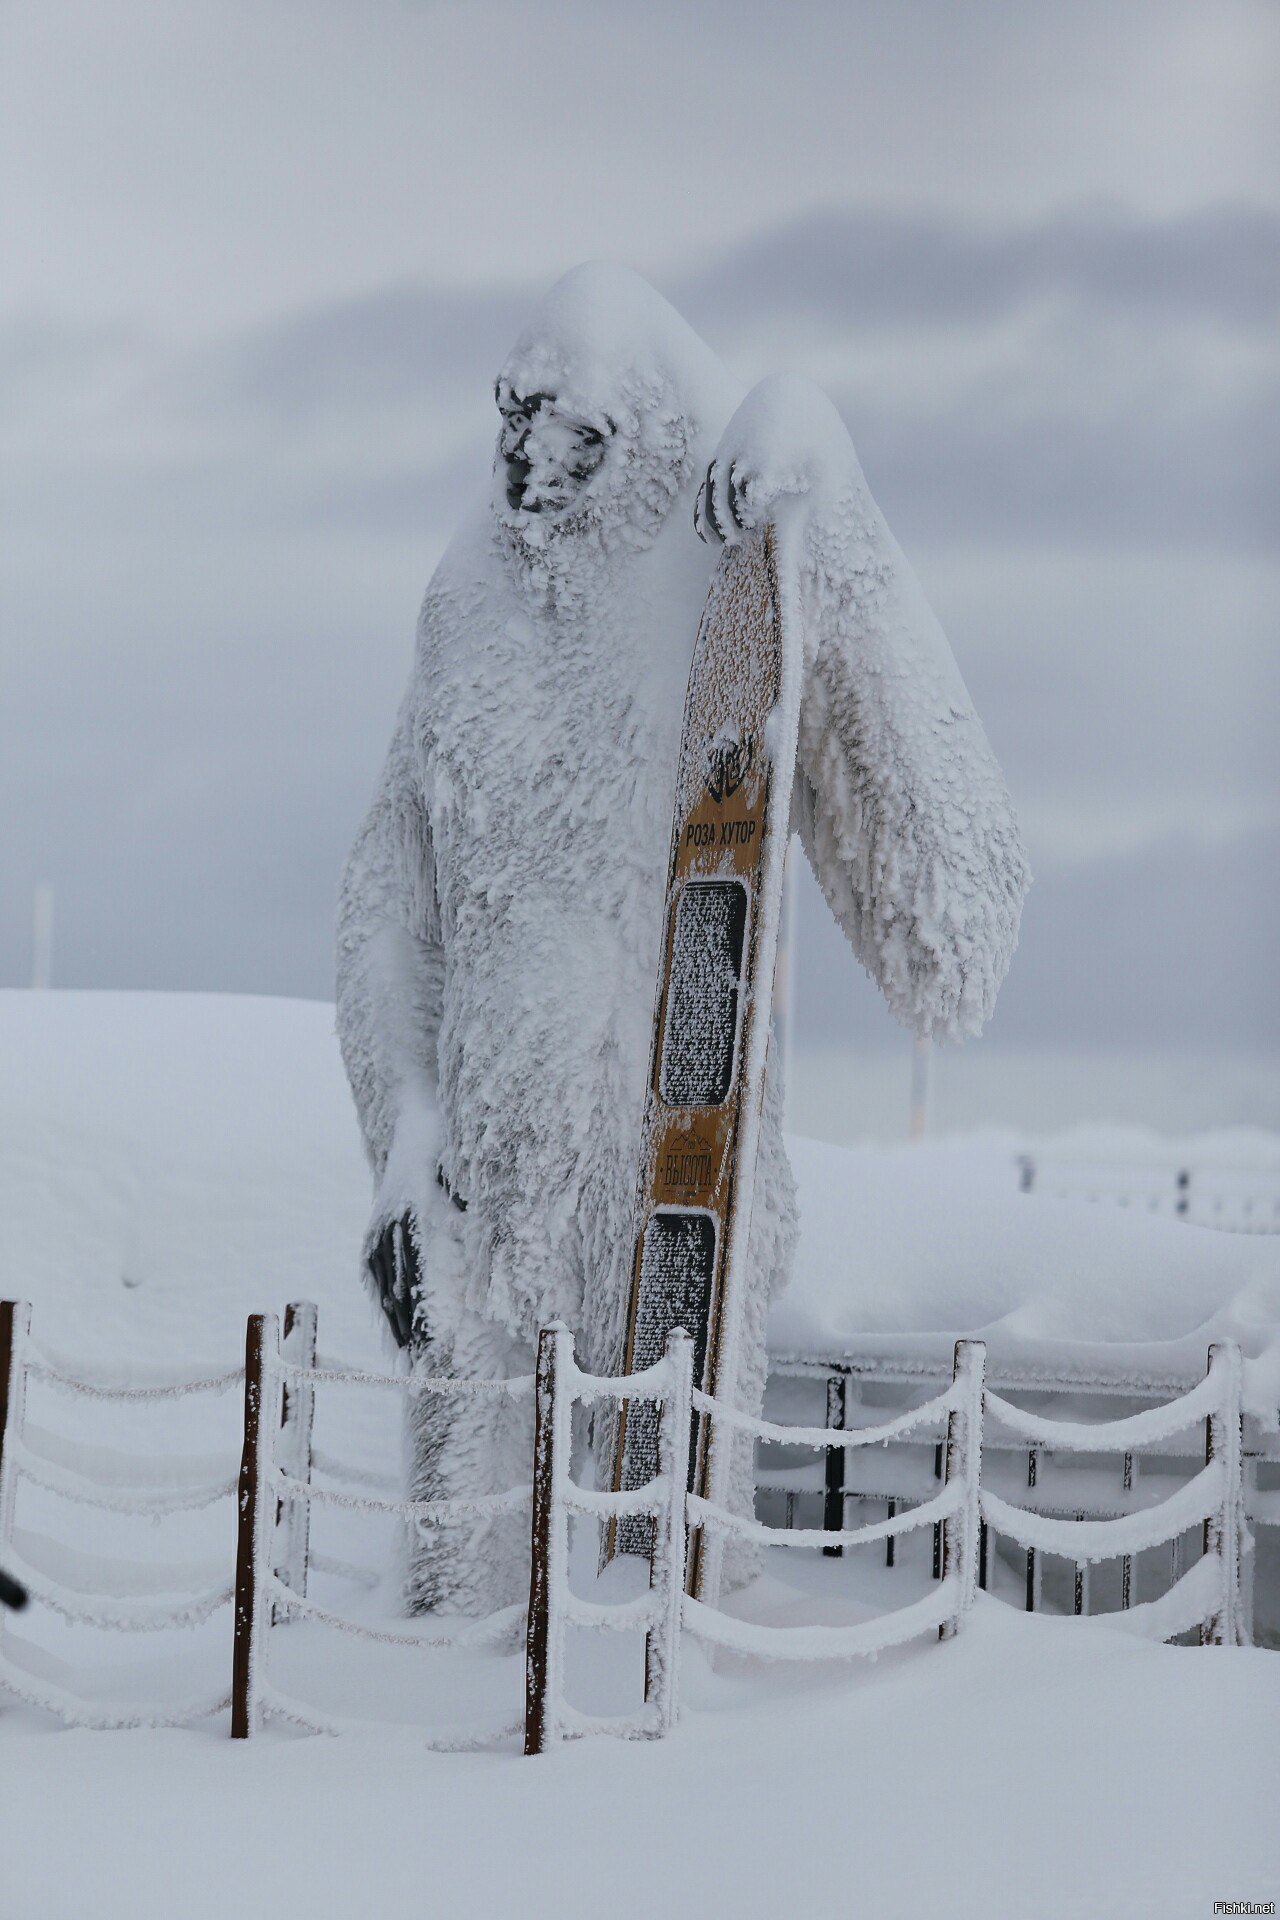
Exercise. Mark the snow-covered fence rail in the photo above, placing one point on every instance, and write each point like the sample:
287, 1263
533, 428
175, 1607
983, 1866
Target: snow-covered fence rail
954, 1508
1234, 1199
108, 1594
660, 1502
1208, 1594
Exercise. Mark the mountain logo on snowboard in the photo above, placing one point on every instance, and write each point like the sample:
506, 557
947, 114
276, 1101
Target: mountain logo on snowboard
728, 759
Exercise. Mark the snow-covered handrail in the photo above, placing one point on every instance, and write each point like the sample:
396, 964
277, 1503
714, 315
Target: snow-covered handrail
821, 1540
77, 1571
73, 1712
476, 1506
1188, 1602
608, 1503
954, 1509
933, 1412
101, 1466
652, 1383
157, 1501
344, 1570
643, 1610
67, 1382
332, 1374
645, 1723
353, 1476
495, 1629
1214, 1497
138, 1617
1088, 1541
278, 1706
934, 1610
1138, 1430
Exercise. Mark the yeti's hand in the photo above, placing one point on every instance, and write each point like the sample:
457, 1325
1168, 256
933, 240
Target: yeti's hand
392, 1264
732, 499
785, 440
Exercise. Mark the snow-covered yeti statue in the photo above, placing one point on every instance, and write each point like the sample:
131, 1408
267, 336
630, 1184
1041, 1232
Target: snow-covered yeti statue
501, 911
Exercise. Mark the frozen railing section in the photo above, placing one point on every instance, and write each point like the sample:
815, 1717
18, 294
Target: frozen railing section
552, 1606
1236, 1199
954, 1509
1063, 1459
1208, 1595
83, 1589
276, 1494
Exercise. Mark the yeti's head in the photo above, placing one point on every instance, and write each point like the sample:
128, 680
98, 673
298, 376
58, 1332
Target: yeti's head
547, 454
605, 401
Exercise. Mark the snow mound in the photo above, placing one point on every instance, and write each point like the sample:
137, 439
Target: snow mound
172, 1162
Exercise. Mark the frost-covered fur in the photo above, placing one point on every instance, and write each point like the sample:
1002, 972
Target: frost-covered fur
901, 806
500, 914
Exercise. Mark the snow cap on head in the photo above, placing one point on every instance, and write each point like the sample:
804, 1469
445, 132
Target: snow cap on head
601, 330
614, 355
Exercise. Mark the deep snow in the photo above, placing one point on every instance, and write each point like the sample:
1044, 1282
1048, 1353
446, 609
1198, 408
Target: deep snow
168, 1163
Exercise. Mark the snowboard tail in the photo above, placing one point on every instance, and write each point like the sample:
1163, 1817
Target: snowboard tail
711, 1021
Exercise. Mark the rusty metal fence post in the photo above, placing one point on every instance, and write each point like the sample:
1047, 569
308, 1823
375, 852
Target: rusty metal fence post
834, 1462
544, 1643
256, 1512
15, 1325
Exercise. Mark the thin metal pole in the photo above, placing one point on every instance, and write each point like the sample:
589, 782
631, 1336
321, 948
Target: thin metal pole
833, 1489
543, 1638
15, 1325
261, 1392
1032, 1574
937, 1525
1080, 1581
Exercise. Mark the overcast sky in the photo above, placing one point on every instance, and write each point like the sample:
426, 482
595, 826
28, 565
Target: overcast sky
259, 264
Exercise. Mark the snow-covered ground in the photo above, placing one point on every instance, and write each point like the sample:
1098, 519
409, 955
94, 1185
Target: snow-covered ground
169, 1163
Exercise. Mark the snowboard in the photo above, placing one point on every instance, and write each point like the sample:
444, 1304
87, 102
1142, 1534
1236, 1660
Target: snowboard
711, 1019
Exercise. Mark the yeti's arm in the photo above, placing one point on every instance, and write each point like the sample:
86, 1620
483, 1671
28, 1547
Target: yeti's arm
901, 807
389, 988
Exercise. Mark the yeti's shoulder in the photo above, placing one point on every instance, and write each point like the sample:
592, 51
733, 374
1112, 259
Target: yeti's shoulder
469, 586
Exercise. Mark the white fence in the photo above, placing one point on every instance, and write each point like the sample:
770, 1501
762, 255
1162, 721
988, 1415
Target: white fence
1232, 1199
954, 1509
276, 1484
1208, 1594
107, 1594
277, 1490
1071, 1513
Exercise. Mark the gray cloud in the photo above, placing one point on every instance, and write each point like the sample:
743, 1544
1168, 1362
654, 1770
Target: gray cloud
872, 267
1154, 949
214, 554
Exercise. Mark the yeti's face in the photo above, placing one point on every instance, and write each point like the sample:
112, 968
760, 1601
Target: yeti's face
549, 456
